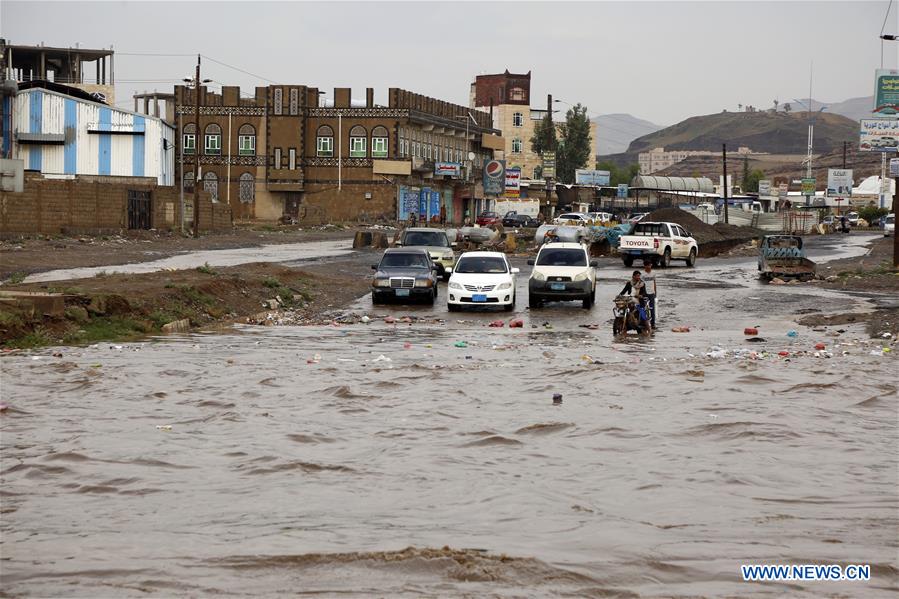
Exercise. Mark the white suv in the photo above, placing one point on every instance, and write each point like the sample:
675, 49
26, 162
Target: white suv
481, 278
562, 272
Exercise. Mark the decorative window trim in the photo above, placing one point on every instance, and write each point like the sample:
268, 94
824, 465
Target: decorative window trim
517, 119
189, 143
358, 147
246, 145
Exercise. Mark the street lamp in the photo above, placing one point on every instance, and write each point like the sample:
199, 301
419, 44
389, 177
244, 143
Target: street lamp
469, 118
811, 136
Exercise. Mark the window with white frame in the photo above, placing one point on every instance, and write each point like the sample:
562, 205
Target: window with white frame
517, 119
246, 140
324, 141
379, 143
189, 139
212, 143
516, 146
358, 142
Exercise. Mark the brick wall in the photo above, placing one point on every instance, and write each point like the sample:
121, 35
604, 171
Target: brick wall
325, 203
96, 205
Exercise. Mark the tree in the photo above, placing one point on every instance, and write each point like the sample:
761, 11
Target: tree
574, 148
544, 139
619, 174
751, 183
787, 107
776, 102
745, 183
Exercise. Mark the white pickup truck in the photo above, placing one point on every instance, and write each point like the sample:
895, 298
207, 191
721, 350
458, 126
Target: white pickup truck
659, 242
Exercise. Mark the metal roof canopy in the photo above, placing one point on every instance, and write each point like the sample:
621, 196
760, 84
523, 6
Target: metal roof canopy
699, 184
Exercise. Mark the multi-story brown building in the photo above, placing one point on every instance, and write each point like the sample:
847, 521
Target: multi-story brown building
282, 152
507, 96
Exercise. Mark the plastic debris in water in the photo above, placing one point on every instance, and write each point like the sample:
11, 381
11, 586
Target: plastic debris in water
680, 329
557, 398
497, 323
382, 358
820, 346
792, 333
750, 331
460, 344
163, 427
516, 323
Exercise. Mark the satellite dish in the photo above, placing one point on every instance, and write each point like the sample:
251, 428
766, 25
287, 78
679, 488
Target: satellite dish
471, 155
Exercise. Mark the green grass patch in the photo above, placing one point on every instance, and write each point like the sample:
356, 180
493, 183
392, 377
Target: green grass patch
271, 282
36, 338
17, 277
206, 269
10, 319
113, 328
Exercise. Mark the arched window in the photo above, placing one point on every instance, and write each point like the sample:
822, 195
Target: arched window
379, 144
188, 181
189, 139
246, 140
212, 140
211, 185
516, 146
247, 188
324, 141
358, 142
517, 119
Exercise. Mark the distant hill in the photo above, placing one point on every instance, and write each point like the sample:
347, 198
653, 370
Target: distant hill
615, 132
774, 132
854, 108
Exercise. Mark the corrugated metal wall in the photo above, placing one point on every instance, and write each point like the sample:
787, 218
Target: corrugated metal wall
118, 153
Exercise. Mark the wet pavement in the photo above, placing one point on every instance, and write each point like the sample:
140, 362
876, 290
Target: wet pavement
280, 460
287, 252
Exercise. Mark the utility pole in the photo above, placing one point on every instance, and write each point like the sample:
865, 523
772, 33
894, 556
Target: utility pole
548, 180
724, 185
197, 151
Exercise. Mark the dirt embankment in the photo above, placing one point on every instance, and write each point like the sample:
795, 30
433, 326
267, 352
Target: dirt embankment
123, 307
20, 257
712, 239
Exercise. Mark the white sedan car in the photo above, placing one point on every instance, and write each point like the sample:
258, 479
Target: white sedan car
889, 225
571, 217
481, 279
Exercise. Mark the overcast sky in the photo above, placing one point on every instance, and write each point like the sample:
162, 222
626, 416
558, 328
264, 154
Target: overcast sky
661, 61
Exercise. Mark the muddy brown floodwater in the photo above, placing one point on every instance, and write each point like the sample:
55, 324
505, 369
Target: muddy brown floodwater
379, 460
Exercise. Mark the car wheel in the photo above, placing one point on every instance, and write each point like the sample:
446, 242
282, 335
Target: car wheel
535, 303
375, 299
666, 258
691, 261
587, 303
628, 261
431, 298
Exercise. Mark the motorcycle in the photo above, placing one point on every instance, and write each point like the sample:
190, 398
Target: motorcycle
630, 315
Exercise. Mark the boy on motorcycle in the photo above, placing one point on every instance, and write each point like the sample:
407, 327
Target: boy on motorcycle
635, 287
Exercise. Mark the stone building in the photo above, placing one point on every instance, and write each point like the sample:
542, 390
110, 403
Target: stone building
507, 96
281, 152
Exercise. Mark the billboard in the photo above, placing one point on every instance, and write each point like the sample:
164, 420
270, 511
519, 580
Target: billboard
894, 167
764, 187
879, 135
808, 186
448, 169
513, 182
622, 190
549, 164
494, 177
583, 176
886, 92
839, 182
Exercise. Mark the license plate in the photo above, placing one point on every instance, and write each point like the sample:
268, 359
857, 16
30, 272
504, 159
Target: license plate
479, 297
557, 286
402, 292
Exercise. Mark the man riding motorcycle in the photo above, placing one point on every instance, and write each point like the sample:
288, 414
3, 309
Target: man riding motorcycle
636, 288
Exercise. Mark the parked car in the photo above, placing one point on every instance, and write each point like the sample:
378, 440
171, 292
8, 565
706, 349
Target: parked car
562, 271
852, 217
571, 217
889, 225
600, 217
520, 220
404, 274
829, 220
435, 242
488, 219
482, 278
658, 242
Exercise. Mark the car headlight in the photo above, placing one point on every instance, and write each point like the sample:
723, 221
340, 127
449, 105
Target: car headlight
380, 282
504, 286
580, 277
424, 283
454, 285
538, 276
448, 256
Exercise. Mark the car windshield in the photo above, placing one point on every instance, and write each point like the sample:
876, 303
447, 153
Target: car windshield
570, 216
481, 264
488, 214
431, 238
405, 260
890, 220
562, 257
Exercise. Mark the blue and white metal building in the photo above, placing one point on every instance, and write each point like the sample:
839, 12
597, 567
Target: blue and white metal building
59, 134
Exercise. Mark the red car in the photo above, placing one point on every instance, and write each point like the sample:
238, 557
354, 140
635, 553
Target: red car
488, 219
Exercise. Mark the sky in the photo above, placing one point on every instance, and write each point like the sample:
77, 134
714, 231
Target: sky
660, 61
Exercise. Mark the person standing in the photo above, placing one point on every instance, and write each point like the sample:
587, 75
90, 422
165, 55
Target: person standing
649, 281
442, 214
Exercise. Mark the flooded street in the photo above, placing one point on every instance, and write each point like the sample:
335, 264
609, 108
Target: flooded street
285, 460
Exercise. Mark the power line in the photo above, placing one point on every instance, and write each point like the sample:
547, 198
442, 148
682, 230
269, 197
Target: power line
151, 54
886, 16
224, 64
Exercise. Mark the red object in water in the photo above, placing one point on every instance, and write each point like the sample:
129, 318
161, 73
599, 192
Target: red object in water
497, 323
407, 345
750, 331
783, 353
820, 346
516, 324
389, 320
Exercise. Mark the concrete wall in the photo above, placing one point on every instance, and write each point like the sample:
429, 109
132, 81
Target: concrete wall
96, 205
